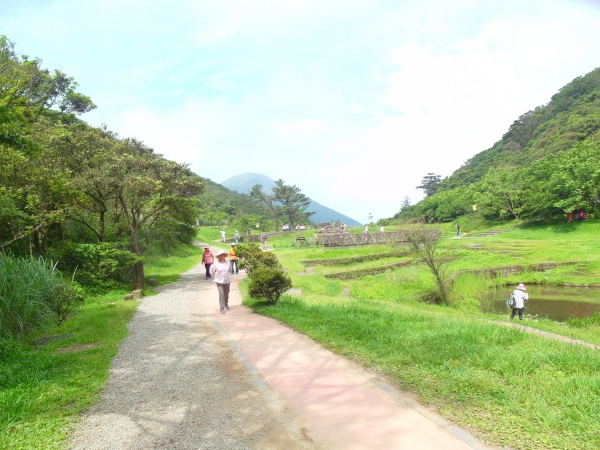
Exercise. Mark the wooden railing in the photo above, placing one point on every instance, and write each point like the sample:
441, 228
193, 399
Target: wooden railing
386, 237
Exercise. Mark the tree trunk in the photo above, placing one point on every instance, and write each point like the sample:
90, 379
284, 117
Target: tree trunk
138, 276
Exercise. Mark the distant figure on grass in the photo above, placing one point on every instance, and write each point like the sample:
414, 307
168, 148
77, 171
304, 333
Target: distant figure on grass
263, 237
220, 272
581, 216
520, 296
223, 236
457, 230
207, 260
381, 229
236, 236
233, 260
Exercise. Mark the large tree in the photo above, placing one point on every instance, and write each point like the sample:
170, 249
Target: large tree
269, 203
430, 183
151, 190
293, 202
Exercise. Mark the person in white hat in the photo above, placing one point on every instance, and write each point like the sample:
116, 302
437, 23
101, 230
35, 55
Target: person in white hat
520, 296
220, 273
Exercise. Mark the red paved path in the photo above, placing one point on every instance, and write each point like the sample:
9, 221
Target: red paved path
338, 404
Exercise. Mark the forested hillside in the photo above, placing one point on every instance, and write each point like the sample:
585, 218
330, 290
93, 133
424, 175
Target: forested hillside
78, 194
544, 165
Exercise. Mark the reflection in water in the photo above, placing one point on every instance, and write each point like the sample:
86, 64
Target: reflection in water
556, 302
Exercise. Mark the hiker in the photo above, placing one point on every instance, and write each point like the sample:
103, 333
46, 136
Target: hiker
263, 237
223, 236
520, 296
220, 272
233, 260
207, 260
236, 236
381, 229
457, 230
582, 216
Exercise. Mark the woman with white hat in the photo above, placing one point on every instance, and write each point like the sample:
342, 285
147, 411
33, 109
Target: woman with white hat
220, 273
520, 296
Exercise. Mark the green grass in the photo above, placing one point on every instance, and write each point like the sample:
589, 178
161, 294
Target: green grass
42, 390
516, 389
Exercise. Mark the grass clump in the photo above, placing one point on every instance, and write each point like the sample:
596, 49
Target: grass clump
33, 295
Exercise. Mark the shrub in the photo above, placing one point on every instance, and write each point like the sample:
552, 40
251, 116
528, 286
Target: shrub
268, 283
96, 265
252, 257
33, 294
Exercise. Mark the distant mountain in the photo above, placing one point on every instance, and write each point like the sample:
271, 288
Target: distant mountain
244, 182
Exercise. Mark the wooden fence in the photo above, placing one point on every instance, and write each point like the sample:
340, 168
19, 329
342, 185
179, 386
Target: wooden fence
386, 237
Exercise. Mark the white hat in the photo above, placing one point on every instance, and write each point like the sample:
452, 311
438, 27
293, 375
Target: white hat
221, 252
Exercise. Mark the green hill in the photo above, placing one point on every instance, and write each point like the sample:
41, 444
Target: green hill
521, 174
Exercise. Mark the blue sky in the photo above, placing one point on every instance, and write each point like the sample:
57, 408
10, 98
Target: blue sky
351, 100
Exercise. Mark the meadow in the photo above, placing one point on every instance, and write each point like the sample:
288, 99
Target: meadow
510, 387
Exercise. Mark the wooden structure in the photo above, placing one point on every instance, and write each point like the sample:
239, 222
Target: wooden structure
300, 241
386, 237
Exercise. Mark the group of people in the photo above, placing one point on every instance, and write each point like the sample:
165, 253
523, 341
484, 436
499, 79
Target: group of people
221, 272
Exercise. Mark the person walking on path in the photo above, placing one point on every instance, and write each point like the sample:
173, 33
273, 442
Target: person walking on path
207, 260
220, 272
236, 236
263, 237
233, 260
520, 296
223, 234
457, 230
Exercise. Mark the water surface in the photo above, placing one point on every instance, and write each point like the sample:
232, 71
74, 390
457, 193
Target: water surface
553, 302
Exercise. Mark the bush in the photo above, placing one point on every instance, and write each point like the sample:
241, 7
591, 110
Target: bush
32, 295
268, 283
95, 265
252, 257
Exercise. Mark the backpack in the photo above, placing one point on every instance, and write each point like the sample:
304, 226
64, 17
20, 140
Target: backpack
510, 302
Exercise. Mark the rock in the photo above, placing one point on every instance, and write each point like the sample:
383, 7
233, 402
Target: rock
137, 294
152, 281
128, 297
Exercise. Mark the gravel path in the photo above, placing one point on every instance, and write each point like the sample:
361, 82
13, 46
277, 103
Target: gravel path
175, 384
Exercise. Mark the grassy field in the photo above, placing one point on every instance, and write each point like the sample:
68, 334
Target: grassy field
43, 388
513, 388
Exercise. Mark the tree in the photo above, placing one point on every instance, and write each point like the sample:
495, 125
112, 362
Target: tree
430, 183
268, 202
424, 244
293, 201
151, 190
501, 193
405, 203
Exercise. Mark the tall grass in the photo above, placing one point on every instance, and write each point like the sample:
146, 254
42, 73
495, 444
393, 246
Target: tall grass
32, 295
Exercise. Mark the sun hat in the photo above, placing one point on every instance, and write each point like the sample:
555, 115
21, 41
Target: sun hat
232, 244
221, 252
521, 287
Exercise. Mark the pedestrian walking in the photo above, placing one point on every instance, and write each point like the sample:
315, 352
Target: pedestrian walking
236, 236
233, 260
457, 230
207, 260
519, 295
220, 273
223, 236
263, 237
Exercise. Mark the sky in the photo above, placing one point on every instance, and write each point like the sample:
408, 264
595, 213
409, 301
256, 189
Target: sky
353, 101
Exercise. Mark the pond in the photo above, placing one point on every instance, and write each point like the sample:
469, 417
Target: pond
553, 302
